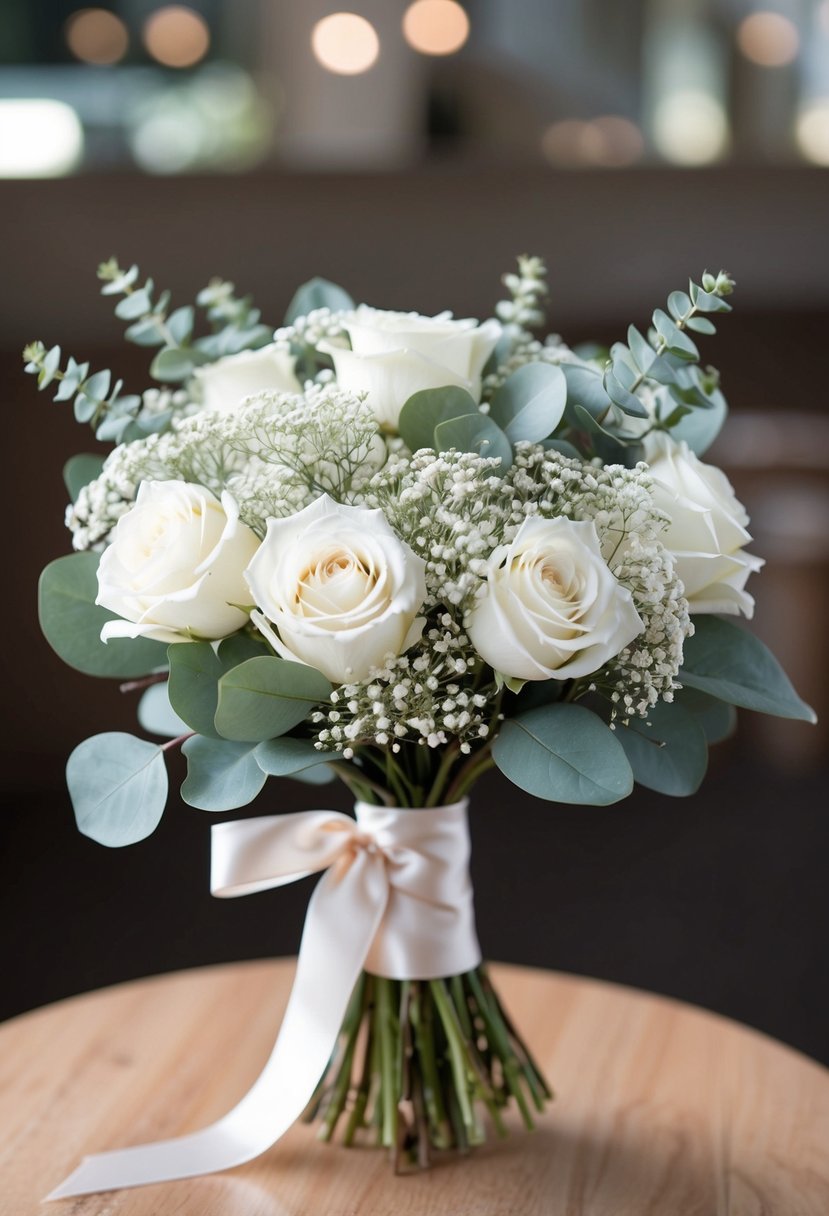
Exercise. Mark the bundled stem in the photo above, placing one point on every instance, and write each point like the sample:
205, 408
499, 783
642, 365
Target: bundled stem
420, 1061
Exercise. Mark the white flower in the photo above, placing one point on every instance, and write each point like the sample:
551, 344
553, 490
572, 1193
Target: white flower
394, 355
707, 530
338, 590
175, 568
552, 608
226, 383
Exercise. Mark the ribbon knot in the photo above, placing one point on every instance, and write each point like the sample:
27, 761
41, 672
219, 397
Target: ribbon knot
395, 899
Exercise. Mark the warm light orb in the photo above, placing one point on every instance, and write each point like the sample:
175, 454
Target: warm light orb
94, 35
812, 131
39, 137
176, 36
690, 127
608, 142
435, 27
345, 43
768, 39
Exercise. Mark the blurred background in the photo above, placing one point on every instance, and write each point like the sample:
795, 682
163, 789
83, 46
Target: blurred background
410, 152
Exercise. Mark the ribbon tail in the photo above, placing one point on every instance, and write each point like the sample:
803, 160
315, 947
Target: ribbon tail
343, 917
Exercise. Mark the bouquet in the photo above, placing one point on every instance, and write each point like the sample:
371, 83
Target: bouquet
397, 551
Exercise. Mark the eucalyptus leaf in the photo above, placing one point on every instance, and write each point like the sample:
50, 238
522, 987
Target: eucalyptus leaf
156, 715
286, 757
668, 751
72, 623
195, 671
79, 470
423, 411
620, 395
563, 753
700, 427
717, 718
530, 403
474, 433
563, 448
118, 787
317, 293
265, 697
585, 387
172, 365
733, 665
180, 323
221, 776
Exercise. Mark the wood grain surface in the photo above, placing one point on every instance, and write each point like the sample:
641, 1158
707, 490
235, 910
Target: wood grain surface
662, 1109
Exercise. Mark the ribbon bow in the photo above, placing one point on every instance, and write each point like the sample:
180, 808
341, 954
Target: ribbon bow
395, 899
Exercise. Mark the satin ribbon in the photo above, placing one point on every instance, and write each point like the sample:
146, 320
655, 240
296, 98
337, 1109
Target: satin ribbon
395, 900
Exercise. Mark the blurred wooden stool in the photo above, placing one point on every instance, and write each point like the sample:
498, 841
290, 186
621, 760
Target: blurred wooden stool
662, 1109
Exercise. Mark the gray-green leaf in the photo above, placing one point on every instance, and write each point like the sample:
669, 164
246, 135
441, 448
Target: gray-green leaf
733, 665
118, 787
80, 470
221, 776
265, 697
72, 623
668, 752
530, 403
563, 753
284, 757
474, 433
425, 410
317, 293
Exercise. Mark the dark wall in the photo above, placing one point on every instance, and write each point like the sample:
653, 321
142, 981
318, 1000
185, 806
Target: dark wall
719, 899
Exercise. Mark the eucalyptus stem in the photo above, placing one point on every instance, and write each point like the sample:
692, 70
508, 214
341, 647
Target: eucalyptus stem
417, 1064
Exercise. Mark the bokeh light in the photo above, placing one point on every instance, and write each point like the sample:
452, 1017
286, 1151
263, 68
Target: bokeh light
690, 127
608, 142
768, 39
39, 137
436, 27
345, 43
176, 36
94, 35
812, 131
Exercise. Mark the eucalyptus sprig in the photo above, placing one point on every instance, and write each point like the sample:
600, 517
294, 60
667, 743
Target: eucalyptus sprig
668, 357
97, 400
235, 323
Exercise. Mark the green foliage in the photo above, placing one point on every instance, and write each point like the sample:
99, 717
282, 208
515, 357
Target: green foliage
156, 715
96, 400
118, 787
527, 406
731, 664
426, 409
563, 753
668, 358
317, 293
72, 623
80, 470
717, 718
530, 403
668, 752
285, 757
221, 776
474, 433
264, 697
195, 671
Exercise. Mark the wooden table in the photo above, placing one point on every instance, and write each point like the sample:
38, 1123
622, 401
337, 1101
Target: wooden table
662, 1110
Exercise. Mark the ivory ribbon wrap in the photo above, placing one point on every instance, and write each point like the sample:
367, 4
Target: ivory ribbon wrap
396, 900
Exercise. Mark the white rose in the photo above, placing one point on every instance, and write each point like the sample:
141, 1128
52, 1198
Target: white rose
707, 530
175, 568
338, 590
552, 608
227, 382
395, 354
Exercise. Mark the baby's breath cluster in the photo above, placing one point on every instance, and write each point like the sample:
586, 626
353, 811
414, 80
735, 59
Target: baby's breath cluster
428, 696
629, 525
